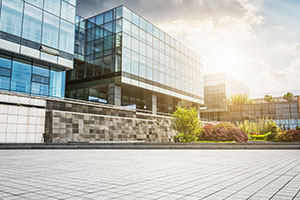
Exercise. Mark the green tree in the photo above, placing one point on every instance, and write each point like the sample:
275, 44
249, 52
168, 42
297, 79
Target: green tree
240, 99
269, 98
186, 122
289, 97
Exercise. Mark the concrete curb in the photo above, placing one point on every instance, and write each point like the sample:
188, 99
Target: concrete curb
142, 145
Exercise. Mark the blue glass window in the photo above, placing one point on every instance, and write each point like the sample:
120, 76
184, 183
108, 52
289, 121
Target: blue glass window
67, 34
67, 12
11, 16
108, 16
99, 19
119, 12
118, 25
143, 24
143, 35
52, 6
50, 30
40, 71
4, 83
4, 72
39, 89
5, 62
32, 25
38, 3
57, 83
149, 28
21, 77
109, 26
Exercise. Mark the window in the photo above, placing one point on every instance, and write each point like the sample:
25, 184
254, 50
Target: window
149, 39
52, 6
38, 3
67, 12
99, 19
135, 44
119, 12
142, 35
126, 27
134, 63
57, 83
11, 16
126, 41
142, 68
149, 52
5, 72
126, 60
50, 30
135, 19
143, 24
135, 31
142, 49
149, 69
5, 62
39, 89
21, 77
66, 41
73, 2
118, 25
108, 16
4, 82
126, 13
32, 25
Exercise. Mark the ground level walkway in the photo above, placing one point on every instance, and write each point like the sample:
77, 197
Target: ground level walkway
150, 174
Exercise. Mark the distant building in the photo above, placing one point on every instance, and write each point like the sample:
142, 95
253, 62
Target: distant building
122, 59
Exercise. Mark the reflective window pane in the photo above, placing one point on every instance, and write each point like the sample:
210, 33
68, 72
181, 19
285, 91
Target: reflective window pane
126, 41
67, 12
135, 31
39, 89
40, 71
119, 12
126, 13
40, 79
134, 63
99, 19
32, 25
73, 2
57, 83
52, 6
4, 82
126, 60
4, 72
126, 26
38, 3
135, 19
11, 16
108, 16
50, 30
143, 24
21, 77
5, 62
66, 42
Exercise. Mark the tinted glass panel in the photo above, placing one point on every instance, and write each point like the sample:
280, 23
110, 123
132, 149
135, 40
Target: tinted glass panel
67, 12
38, 3
5, 62
66, 42
39, 89
50, 30
108, 16
21, 77
32, 25
126, 13
40, 71
11, 16
52, 6
4, 72
57, 83
40, 79
4, 82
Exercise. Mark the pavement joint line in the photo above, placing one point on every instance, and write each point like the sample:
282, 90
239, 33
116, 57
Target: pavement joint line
272, 181
229, 178
255, 180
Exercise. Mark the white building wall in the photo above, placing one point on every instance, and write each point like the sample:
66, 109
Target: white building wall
22, 119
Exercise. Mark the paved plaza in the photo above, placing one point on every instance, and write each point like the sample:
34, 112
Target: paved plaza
150, 174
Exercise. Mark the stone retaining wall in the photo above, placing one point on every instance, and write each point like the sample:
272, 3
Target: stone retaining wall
69, 121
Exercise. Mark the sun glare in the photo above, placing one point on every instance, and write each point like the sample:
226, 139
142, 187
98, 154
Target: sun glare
227, 60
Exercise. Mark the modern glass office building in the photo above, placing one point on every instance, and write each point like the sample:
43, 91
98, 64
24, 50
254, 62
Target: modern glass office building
125, 60
218, 88
36, 45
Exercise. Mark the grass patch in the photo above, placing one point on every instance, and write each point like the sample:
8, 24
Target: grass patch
216, 142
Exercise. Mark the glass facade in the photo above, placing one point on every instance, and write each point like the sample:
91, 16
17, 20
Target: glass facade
218, 88
118, 46
29, 77
33, 24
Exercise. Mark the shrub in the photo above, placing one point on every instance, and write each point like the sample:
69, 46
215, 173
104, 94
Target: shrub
186, 122
223, 132
289, 136
298, 128
261, 127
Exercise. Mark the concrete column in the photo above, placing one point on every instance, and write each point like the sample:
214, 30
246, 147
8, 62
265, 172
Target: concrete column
114, 94
154, 104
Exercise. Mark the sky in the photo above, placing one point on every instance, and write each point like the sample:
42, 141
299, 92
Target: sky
257, 42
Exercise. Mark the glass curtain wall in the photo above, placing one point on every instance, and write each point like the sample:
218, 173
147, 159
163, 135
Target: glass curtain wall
22, 76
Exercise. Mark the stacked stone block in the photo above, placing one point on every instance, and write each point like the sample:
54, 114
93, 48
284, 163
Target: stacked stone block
68, 121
